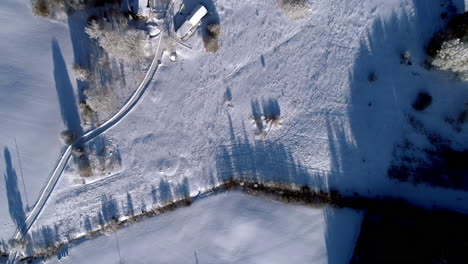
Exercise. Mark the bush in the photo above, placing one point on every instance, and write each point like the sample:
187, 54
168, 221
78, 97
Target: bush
88, 116
67, 137
213, 29
40, 8
210, 40
48, 8
294, 9
81, 73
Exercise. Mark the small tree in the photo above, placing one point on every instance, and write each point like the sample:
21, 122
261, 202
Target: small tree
67, 137
41, 8
213, 31
101, 100
81, 73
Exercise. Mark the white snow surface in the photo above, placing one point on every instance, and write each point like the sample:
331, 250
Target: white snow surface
29, 107
194, 126
228, 228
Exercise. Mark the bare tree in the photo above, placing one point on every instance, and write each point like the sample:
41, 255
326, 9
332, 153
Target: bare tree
119, 40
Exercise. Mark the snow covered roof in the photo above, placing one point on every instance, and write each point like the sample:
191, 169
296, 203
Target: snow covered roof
192, 21
199, 12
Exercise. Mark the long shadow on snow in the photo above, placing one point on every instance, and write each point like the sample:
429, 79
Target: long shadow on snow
380, 108
264, 161
15, 203
68, 106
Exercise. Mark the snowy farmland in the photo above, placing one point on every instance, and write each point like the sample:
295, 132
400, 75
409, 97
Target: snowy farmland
35, 54
338, 130
229, 228
323, 97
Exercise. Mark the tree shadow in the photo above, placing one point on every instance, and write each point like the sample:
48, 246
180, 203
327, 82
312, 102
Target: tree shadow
228, 96
257, 114
264, 161
271, 108
165, 192
88, 226
109, 209
182, 190
341, 234
154, 195
130, 208
44, 237
62, 252
82, 46
404, 234
64, 88
15, 203
381, 116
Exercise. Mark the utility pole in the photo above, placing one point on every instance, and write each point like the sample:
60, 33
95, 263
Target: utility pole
118, 248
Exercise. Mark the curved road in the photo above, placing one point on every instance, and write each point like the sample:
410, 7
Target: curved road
49, 187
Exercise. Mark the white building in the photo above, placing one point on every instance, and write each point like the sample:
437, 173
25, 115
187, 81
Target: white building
192, 22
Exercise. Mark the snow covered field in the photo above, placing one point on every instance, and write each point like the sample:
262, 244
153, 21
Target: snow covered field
228, 228
339, 130
33, 77
336, 78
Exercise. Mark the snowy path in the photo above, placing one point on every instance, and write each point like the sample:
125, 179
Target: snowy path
49, 187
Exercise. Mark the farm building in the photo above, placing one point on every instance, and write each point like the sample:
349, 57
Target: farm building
191, 22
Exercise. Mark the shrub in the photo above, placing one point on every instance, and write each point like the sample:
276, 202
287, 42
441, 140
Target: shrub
50, 8
67, 137
81, 73
273, 120
40, 8
210, 40
78, 152
294, 9
213, 29
88, 116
